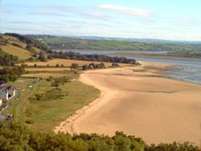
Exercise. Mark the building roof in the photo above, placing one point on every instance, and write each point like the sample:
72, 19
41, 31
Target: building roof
5, 87
2, 82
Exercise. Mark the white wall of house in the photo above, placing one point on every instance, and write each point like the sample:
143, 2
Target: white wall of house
11, 94
7, 95
1, 102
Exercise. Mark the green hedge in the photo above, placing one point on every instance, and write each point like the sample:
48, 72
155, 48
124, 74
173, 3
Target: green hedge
17, 137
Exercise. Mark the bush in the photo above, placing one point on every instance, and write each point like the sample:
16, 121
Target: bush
74, 66
7, 60
11, 73
56, 82
16, 137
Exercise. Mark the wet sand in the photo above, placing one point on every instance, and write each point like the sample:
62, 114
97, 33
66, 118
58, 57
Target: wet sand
140, 101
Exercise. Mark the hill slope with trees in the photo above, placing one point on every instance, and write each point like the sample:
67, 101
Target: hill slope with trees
177, 48
20, 46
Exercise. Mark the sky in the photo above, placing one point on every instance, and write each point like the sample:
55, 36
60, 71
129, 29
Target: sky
151, 19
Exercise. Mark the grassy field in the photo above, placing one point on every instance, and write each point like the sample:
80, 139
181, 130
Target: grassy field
47, 69
40, 73
42, 105
47, 112
15, 47
21, 53
65, 62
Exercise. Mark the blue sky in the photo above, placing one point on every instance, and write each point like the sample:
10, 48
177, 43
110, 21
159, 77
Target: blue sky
161, 19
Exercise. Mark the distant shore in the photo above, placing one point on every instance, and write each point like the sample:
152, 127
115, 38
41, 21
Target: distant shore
142, 102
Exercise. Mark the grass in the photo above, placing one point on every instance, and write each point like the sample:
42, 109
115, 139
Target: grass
43, 75
65, 62
46, 113
21, 53
42, 106
46, 69
48, 72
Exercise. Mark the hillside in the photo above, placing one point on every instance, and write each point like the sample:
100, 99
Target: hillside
19, 46
176, 48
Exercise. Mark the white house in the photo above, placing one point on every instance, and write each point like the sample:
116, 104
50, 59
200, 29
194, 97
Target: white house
7, 92
1, 102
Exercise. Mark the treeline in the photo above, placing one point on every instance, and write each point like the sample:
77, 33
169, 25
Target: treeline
17, 137
7, 60
92, 57
185, 54
11, 73
59, 42
30, 41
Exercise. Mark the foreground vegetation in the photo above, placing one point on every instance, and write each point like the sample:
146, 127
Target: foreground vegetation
43, 103
17, 137
10, 73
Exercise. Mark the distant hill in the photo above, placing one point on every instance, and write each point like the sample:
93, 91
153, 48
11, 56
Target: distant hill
20, 46
181, 48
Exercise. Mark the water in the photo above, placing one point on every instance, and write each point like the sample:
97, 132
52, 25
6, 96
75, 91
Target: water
187, 69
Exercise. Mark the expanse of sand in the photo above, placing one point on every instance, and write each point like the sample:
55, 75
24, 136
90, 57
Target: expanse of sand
140, 101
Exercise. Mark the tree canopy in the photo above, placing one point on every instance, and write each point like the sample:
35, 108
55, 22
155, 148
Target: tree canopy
17, 137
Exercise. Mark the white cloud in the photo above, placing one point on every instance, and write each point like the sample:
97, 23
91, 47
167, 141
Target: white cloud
126, 10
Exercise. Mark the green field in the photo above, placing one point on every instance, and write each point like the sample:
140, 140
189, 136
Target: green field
47, 112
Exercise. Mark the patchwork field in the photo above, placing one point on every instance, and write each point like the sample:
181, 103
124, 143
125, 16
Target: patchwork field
48, 95
65, 62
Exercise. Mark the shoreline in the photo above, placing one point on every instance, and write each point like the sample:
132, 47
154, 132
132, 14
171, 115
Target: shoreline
68, 126
86, 120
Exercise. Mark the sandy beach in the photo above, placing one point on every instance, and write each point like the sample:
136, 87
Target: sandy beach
139, 101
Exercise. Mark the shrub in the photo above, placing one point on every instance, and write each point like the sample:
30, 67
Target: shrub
11, 73
16, 137
7, 60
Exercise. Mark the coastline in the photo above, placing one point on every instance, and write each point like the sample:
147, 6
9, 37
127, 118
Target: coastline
145, 84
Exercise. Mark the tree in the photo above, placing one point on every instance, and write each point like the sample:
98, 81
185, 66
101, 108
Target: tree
7, 60
74, 66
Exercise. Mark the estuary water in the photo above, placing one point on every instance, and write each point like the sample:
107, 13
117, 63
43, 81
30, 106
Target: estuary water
186, 69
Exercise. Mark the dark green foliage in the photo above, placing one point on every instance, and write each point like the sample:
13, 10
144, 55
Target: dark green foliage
172, 147
92, 57
16, 137
74, 66
42, 56
115, 65
6, 59
11, 73
56, 82
53, 94
93, 66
